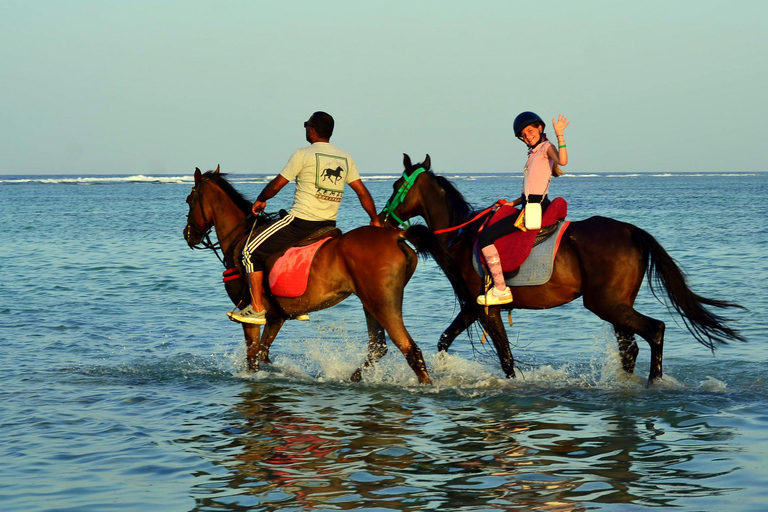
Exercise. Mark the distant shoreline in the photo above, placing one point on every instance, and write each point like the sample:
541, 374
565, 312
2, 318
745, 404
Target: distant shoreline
171, 178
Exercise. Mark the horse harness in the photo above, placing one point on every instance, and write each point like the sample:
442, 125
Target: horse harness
205, 238
397, 199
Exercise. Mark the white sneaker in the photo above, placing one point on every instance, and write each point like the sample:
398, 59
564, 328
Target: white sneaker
248, 316
495, 298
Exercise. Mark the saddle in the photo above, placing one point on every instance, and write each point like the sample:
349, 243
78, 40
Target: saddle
515, 247
289, 269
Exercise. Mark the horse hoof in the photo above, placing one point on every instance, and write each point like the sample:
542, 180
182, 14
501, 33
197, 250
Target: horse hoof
357, 376
653, 381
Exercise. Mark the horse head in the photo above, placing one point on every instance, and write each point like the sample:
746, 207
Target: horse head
199, 218
420, 192
406, 199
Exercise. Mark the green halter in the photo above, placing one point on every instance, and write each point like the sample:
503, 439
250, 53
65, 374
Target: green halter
397, 199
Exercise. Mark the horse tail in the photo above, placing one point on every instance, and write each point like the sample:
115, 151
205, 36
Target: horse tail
662, 271
427, 244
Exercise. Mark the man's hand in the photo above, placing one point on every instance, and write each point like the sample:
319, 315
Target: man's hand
258, 207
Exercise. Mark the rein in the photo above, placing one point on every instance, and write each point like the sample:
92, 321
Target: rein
399, 197
470, 221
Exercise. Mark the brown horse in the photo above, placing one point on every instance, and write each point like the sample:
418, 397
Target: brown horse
373, 263
600, 259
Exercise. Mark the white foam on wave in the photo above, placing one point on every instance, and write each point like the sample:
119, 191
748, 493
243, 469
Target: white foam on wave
332, 352
96, 180
713, 385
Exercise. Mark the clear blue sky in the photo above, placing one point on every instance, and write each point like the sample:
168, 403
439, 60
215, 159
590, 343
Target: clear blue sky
94, 87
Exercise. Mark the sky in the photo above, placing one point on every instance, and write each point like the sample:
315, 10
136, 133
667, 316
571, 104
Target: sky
162, 87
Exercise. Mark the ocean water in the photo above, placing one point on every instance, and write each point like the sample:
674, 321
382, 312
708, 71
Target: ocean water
124, 387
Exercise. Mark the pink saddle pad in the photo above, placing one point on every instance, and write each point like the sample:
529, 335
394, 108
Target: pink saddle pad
290, 273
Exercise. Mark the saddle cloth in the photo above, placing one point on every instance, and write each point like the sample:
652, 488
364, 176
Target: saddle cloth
290, 273
538, 267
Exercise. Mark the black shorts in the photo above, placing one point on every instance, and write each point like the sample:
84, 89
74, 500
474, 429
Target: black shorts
277, 236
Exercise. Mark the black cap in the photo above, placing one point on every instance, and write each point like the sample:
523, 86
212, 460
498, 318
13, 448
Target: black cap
525, 119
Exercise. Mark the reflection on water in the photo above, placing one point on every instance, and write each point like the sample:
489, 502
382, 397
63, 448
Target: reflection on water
334, 447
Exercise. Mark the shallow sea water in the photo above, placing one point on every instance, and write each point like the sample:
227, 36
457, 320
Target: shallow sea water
124, 388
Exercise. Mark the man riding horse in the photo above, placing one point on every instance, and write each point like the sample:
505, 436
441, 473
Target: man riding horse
315, 205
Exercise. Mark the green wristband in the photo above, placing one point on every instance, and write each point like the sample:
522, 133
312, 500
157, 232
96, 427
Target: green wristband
561, 147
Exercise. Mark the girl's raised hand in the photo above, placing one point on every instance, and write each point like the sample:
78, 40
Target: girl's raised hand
560, 124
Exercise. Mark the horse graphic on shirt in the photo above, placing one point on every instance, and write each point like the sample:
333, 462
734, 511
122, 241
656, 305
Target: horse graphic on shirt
333, 175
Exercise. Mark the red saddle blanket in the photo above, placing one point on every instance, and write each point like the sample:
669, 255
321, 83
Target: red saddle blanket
290, 273
515, 247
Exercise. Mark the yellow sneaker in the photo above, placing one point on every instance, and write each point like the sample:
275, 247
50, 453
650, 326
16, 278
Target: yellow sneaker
495, 298
247, 315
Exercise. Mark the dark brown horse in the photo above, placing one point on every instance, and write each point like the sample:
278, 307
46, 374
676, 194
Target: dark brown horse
600, 259
373, 263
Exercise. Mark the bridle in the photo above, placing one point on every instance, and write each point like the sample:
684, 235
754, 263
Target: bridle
397, 199
204, 233
192, 229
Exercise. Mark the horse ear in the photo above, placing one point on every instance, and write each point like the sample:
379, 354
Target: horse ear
406, 161
198, 175
217, 169
427, 163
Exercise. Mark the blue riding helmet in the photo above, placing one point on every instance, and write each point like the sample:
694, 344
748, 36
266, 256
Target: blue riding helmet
525, 119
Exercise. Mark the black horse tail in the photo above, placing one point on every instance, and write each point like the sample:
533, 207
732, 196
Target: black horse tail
662, 271
427, 244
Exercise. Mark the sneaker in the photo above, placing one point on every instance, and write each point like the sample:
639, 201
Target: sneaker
303, 318
248, 316
495, 298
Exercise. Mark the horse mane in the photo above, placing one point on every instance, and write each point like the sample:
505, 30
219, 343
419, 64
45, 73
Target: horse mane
458, 206
220, 179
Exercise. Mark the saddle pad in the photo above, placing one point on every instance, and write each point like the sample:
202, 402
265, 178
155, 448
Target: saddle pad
537, 268
290, 273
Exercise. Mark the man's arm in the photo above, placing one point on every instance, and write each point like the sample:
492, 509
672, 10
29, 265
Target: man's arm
269, 191
366, 201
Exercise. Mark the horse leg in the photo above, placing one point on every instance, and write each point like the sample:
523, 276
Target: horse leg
502, 345
464, 320
627, 349
392, 321
377, 345
460, 324
627, 322
252, 341
259, 352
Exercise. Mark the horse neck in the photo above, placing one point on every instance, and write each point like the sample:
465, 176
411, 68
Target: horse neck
228, 219
436, 210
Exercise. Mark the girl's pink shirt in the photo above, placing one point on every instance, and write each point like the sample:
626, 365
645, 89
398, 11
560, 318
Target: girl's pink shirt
538, 170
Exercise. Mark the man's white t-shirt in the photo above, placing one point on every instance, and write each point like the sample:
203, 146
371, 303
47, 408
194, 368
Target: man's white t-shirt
320, 171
